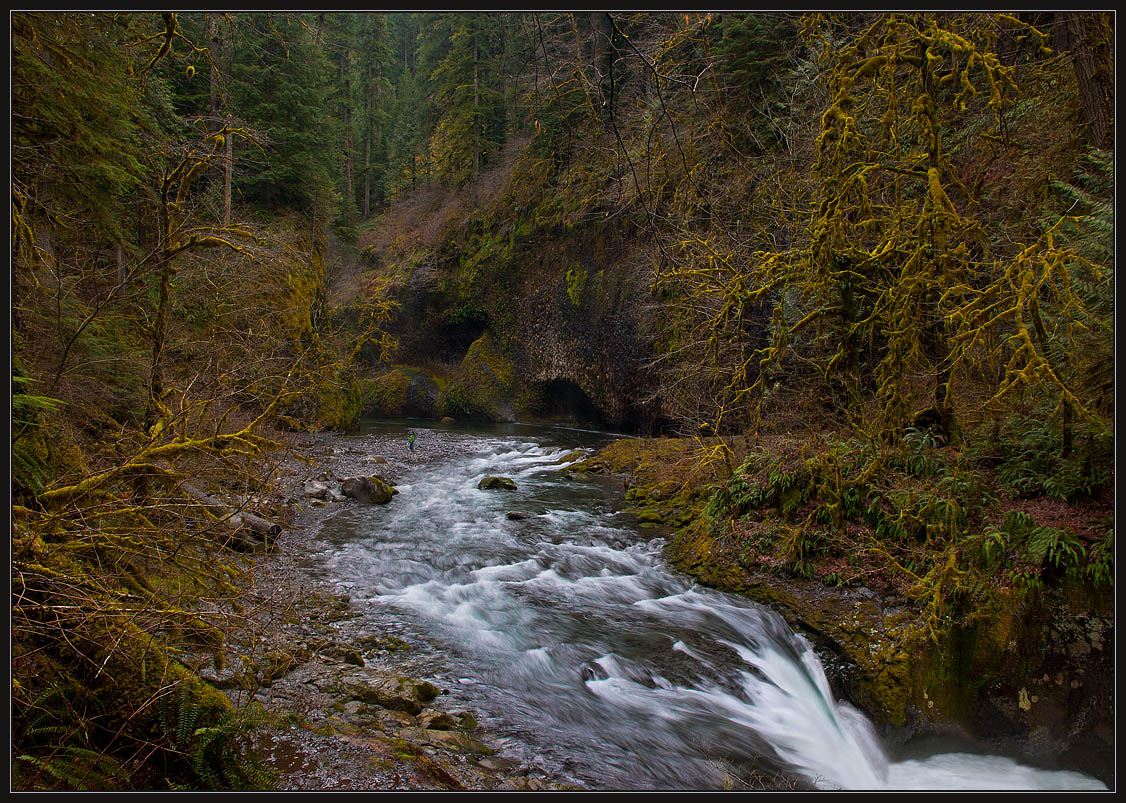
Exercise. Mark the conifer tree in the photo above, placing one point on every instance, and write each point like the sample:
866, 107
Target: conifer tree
281, 87
468, 89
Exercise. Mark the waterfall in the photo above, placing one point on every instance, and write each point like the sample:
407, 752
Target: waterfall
567, 630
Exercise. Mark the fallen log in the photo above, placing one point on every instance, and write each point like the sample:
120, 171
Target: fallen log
255, 530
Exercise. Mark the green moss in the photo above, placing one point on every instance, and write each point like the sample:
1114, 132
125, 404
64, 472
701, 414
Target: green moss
385, 395
484, 385
576, 284
339, 404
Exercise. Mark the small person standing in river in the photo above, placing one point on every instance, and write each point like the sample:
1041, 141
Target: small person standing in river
410, 440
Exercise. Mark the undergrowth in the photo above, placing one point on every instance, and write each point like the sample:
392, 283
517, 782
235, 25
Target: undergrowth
945, 528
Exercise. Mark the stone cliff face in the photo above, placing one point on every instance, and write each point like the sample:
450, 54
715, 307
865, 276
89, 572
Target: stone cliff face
554, 328
586, 327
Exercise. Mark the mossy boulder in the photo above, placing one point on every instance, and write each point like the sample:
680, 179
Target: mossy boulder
370, 490
402, 391
496, 484
483, 385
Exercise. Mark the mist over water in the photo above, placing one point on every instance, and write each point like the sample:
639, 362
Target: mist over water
578, 645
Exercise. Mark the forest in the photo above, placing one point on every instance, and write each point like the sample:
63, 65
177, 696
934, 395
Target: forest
844, 283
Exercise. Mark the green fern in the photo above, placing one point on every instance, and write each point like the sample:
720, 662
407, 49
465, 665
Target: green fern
1099, 569
55, 745
75, 767
217, 755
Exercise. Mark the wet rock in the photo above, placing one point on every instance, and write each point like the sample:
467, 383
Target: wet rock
592, 671
497, 484
378, 641
437, 720
450, 739
221, 679
516, 515
398, 719
571, 457
370, 490
498, 763
396, 693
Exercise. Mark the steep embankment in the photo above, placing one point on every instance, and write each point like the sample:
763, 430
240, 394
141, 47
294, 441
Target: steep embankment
925, 640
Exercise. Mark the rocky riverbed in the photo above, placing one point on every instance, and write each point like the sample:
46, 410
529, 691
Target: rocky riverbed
348, 709
354, 709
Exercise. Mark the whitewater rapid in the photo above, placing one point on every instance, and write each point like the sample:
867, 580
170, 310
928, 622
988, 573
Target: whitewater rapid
554, 615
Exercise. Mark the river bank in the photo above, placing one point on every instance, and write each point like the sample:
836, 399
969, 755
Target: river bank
325, 662
343, 716
1027, 674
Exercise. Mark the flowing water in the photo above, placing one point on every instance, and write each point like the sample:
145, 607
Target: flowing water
564, 628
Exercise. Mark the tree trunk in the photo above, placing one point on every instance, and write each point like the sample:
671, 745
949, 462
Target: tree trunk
367, 138
121, 270
349, 140
229, 158
1090, 38
476, 113
160, 321
253, 529
228, 168
213, 36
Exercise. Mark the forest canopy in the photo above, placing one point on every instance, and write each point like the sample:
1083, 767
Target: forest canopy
894, 230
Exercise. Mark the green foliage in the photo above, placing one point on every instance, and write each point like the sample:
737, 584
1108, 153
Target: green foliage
55, 747
1029, 461
468, 313
30, 461
77, 119
1042, 546
467, 86
920, 458
217, 755
756, 50
280, 86
1099, 571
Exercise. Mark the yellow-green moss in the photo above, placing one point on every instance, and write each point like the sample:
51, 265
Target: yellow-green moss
484, 386
385, 395
576, 284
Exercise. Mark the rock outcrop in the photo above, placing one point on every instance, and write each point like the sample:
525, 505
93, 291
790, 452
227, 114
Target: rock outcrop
370, 490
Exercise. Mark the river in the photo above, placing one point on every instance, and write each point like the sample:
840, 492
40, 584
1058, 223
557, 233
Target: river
548, 611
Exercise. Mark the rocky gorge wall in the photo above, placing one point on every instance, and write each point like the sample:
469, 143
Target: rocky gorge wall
554, 327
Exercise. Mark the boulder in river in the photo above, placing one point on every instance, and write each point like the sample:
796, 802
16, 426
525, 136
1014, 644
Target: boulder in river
497, 483
370, 490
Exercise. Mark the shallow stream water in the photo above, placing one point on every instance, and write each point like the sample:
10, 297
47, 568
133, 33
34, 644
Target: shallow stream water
549, 612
